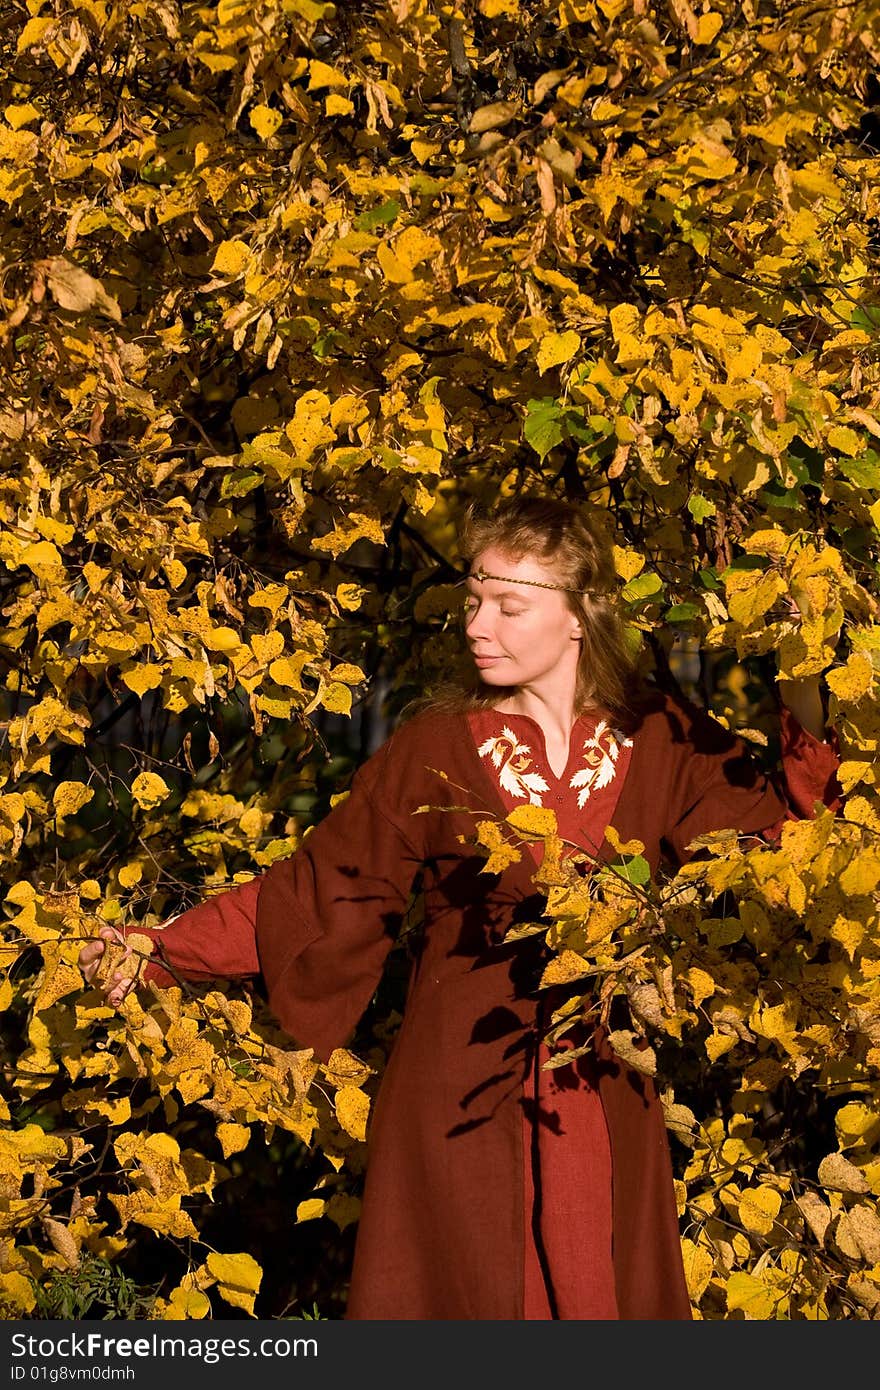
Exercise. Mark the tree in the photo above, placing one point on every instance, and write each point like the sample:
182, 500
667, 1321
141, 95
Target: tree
283, 284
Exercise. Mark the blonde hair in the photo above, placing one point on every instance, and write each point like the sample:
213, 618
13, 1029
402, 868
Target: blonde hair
568, 539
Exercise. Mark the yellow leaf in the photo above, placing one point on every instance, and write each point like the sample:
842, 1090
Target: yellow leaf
149, 789
533, 821
130, 874
17, 1295
497, 113
640, 1058
70, 797
357, 526
848, 932
322, 75
265, 120
348, 411
701, 983
698, 1267
231, 259
310, 426
862, 874
749, 1295
623, 846
34, 32
627, 563
856, 1123
556, 348
350, 596
311, 1209
222, 639
854, 680
347, 672
23, 114
844, 441
708, 26
267, 646
238, 1278
175, 570
142, 677
287, 670
233, 1138
564, 968
39, 556
337, 105
632, 347
336, 699
186, 1303
758, 1209
719, 1043
409, 249
352, 1109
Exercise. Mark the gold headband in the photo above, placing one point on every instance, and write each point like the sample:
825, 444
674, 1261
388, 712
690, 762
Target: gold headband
536, 583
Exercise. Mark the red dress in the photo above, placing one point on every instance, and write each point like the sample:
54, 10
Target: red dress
495, 1189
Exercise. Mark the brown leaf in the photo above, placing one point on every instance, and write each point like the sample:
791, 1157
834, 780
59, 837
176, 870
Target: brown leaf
74, 289
490, 117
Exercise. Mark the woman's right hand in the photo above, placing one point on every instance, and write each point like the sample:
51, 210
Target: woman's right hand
101, 960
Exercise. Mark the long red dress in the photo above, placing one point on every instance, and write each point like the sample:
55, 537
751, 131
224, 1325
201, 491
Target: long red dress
495, 1189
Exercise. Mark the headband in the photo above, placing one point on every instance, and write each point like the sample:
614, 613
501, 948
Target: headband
536, 583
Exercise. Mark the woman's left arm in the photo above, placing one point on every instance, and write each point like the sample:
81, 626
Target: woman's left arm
804, 699
809, 749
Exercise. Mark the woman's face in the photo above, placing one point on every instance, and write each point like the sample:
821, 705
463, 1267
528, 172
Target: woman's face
520, 635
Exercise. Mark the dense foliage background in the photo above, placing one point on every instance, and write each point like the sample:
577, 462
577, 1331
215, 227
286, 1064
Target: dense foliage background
284, 283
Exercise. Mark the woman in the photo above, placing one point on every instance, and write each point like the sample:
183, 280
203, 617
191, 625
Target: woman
496, 1188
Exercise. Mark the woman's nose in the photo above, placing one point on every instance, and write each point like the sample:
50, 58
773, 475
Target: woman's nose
477, 625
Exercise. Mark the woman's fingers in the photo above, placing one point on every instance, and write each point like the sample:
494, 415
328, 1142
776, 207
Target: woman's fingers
119, 988
92, 958
89, 957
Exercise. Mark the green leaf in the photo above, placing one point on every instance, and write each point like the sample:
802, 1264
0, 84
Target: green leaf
643, 587
700, 507
633, 867
378, 216
709, 578
238, 482
543, 425
744, 562
863, 471
775, 495
866, 316
683, 612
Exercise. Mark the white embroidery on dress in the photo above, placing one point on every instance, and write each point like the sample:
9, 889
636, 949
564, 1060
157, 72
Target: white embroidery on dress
601, 752
513, 759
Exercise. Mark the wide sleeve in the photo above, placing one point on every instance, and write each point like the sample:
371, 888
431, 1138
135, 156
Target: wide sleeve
721, 786
328, 916
316, 926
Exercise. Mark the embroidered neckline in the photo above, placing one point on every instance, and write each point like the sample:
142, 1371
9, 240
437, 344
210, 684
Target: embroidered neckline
513, 760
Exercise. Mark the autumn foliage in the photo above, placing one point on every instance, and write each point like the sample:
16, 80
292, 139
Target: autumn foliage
283, 283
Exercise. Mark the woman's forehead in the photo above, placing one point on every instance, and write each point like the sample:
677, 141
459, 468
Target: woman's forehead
494, 567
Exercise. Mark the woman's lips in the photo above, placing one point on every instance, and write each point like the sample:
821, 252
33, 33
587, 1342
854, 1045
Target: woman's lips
482, 661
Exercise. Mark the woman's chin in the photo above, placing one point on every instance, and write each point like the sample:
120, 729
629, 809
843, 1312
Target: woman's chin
492, 675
